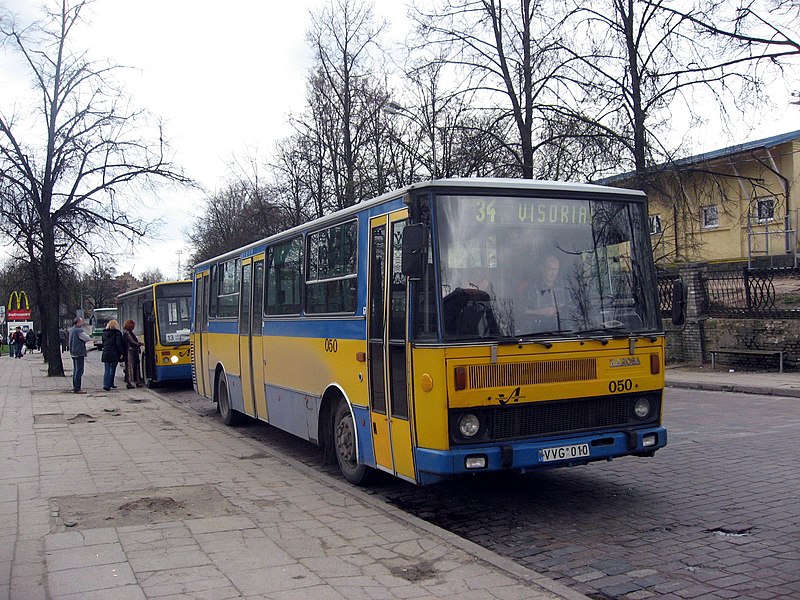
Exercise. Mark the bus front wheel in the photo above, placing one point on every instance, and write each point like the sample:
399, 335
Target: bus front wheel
344, 441
229, 416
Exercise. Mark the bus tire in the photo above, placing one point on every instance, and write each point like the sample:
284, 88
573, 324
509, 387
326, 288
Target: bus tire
344, 443
229, 416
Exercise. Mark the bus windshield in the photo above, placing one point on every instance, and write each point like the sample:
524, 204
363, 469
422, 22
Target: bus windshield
101, 317
514, 266
174, 317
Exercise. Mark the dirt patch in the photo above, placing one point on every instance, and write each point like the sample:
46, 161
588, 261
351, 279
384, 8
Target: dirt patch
62, 419
419, 572
138, 507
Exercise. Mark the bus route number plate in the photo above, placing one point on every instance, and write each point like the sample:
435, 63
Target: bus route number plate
564, 452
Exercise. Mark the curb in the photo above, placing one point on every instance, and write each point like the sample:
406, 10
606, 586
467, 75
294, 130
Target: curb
736, 388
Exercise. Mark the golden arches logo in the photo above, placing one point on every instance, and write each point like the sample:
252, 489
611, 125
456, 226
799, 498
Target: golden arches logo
19, 296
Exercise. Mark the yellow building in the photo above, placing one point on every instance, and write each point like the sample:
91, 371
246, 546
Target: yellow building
737, 203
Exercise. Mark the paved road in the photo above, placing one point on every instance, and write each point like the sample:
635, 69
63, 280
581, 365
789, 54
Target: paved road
716, 514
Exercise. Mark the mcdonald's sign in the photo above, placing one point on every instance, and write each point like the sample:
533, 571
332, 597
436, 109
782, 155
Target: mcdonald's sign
18, 313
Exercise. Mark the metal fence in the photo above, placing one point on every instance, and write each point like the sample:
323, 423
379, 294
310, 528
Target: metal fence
749, 293
666, 281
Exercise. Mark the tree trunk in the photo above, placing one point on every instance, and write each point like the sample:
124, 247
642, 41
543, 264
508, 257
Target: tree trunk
47, 290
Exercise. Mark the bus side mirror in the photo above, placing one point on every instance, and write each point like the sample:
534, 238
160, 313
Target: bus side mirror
678, 302
414, 250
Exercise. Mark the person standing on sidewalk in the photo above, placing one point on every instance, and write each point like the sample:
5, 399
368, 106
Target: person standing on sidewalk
133, 371
77, 350
17, 342
113, 353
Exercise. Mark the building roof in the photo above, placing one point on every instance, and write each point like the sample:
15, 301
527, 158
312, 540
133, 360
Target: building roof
769, 142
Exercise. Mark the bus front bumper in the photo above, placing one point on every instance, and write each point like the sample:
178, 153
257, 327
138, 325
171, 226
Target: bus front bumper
523, 455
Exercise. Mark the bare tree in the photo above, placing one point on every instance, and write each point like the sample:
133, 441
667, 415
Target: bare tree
509, 61
99, 288
152, 276
233, 217
646, 74
65, 168
342, 35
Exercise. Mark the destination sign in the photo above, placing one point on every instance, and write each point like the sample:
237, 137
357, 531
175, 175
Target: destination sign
533, 212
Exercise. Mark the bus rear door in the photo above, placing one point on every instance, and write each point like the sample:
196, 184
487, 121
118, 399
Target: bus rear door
387, 354
245, 340
201, 334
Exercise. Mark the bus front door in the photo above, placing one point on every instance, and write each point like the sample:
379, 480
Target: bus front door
387, 355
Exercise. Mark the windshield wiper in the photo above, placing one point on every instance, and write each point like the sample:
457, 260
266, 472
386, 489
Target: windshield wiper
531, 337
617, 331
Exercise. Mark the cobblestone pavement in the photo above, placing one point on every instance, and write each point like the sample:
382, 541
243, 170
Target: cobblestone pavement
716, 514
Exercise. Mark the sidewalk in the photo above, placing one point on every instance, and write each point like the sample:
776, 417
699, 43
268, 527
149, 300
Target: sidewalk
123, 495
767, 383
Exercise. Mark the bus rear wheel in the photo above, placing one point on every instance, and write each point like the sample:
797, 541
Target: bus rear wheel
229, 416
344, 442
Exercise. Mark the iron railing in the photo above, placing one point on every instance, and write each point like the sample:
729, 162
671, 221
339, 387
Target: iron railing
666, 282
746, 293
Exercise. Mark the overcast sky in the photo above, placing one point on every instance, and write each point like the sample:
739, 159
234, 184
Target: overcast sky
224, 77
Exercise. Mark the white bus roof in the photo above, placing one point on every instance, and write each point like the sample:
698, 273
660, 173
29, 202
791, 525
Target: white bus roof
478, 183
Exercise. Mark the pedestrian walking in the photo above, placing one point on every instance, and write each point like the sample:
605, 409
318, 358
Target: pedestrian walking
63, 338
77, 350
133, 371
113, 353
30, 341
17, 342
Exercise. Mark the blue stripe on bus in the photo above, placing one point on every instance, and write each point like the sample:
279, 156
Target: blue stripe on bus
316, 327
173, 372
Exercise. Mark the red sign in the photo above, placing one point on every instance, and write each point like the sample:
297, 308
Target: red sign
18, 315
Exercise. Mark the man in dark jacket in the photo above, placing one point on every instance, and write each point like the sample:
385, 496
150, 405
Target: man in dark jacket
77, 350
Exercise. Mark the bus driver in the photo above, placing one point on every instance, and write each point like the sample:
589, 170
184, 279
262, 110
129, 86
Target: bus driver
547, 301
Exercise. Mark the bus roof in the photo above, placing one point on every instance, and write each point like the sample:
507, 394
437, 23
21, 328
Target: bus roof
144, 288
466, 183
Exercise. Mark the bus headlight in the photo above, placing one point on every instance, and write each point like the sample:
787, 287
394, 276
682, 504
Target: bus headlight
468, 425
174, 359
641, 408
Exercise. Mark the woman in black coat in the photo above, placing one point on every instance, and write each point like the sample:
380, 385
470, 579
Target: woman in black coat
113, 353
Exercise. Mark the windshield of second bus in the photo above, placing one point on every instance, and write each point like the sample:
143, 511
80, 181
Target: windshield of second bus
173, 320
525, 266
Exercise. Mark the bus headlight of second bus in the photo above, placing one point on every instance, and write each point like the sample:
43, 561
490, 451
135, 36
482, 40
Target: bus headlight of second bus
468, 425
641, 408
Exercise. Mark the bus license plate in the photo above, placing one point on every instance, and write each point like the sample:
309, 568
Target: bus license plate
564, 452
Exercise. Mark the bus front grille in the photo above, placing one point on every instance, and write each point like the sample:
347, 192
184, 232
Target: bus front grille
528, 373
565, 416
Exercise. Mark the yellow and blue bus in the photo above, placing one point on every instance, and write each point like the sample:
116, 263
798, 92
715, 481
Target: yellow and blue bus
401, 335
162, 313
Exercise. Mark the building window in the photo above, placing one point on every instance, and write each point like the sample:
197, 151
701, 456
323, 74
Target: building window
765, 209
710, 216
655, 224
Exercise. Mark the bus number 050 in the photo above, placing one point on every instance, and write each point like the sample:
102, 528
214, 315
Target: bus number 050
620, 385
331, 345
